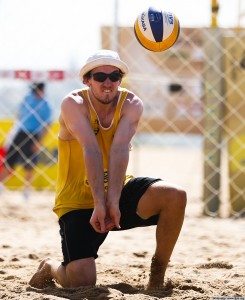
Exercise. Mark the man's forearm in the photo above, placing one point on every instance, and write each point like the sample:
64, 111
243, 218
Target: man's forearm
117, 170
95, 174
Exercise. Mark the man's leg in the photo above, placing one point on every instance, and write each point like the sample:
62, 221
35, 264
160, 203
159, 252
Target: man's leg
81, 272
169, 202
11, 157
28, 181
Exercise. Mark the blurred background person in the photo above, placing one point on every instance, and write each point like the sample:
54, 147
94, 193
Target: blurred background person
25, 138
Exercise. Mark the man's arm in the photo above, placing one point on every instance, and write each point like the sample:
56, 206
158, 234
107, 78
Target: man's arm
74, 114
119, 154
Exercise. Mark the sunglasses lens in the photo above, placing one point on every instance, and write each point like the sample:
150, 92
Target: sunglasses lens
101, 77
115, 76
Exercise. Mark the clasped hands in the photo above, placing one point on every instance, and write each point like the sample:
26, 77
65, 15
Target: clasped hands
105, 217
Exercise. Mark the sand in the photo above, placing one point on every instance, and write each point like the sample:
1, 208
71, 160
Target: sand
208, 260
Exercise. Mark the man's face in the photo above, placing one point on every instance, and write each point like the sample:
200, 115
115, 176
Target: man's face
103, 88
40, 93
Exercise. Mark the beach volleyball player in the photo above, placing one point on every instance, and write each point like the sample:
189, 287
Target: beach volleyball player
94, 194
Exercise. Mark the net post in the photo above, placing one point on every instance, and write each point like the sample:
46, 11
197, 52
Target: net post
213, 121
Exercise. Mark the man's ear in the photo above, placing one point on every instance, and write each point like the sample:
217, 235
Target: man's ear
86, 81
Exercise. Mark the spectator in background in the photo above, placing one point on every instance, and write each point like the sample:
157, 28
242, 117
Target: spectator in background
34, 117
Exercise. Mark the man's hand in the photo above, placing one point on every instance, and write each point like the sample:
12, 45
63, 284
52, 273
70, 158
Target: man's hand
98, 218
104, 220
114, 216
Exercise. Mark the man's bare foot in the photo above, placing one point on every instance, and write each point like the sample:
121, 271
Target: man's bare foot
157, 273
42, 278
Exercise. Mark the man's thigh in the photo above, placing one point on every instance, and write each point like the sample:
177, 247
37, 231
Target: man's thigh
130, 197
78, 238
155, 198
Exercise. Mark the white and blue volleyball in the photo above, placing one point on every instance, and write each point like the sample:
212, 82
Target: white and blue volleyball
156, 30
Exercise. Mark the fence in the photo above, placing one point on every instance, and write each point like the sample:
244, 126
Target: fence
193, 127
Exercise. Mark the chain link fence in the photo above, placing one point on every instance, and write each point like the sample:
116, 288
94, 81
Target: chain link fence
193, 127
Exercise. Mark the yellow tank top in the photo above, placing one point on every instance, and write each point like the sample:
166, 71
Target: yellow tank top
72, 188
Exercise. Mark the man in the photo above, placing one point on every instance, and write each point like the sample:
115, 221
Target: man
34, 117
93, 194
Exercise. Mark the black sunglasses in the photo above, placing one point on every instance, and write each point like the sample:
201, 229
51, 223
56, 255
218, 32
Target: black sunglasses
101, 77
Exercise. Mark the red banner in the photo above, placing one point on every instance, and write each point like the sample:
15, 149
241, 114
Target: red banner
22, 74
37, 75
56, 75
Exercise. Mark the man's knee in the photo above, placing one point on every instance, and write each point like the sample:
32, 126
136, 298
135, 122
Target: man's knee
181, 196
81, 272
177, 198
160, 197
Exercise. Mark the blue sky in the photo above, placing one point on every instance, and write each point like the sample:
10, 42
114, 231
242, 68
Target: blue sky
49, 34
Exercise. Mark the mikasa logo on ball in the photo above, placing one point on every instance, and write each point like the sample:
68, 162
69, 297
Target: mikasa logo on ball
143, 21
169, 18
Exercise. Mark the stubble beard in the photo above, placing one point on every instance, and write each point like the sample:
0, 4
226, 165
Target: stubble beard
105, 100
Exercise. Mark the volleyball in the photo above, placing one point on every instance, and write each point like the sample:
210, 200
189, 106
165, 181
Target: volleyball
156, 30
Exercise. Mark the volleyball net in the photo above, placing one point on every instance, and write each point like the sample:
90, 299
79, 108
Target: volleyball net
194, 97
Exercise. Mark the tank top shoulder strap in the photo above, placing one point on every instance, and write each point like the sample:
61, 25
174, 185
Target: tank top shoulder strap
123, 94
91, 109
94, 119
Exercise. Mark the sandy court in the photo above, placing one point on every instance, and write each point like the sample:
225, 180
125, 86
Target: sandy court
208, 259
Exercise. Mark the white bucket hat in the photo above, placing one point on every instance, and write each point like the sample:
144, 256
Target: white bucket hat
102, 58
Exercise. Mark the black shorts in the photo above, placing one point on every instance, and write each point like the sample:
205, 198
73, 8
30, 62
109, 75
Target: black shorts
20, 151
80, 240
